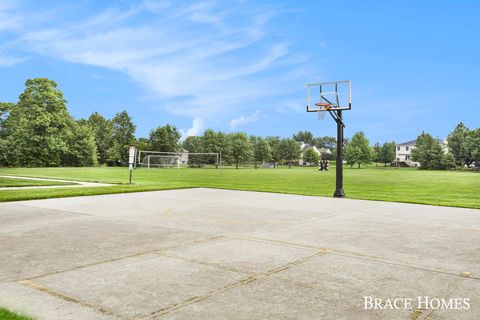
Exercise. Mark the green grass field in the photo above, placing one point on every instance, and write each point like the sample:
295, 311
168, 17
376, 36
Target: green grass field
10, 315
8, 182
446, 188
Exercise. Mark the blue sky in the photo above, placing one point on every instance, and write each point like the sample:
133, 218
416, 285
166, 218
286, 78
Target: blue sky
243, 65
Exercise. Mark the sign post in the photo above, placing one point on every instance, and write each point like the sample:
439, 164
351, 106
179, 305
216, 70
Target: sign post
131, 161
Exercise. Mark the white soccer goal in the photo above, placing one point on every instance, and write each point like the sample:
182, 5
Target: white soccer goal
158, 159
162, 161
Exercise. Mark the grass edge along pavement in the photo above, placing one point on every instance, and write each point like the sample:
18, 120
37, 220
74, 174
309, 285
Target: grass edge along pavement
445, 188
17, 182
6, 314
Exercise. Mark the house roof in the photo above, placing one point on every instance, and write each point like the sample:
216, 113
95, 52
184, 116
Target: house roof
305, 146
414, 142
408, 143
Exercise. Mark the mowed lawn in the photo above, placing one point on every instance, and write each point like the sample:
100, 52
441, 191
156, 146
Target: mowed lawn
446, 188
6, 314
9, 182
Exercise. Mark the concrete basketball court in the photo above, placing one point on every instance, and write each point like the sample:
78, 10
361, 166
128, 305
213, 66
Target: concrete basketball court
219, 254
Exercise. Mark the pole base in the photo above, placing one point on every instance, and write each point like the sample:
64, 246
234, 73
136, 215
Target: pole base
339, 194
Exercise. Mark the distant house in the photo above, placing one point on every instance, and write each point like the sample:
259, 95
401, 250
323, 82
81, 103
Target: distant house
403, 153
304, 146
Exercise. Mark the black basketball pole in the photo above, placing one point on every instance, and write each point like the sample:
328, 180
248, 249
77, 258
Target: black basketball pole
339, 165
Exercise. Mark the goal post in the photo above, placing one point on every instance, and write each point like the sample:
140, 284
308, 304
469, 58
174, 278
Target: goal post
162, 159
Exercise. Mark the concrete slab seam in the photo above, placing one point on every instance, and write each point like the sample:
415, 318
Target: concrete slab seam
65, 297
461, 274
153, 251
244, 281
277, 242
207, 264
195, 299
354, 255
425, 314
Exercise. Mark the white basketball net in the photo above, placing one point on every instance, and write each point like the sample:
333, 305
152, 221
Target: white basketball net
321, 114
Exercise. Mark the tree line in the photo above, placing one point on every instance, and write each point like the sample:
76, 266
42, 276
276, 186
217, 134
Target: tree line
462, 150
38, 131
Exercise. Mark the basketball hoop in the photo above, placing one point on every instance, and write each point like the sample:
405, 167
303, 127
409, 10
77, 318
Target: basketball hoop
321, 114
334, 97
324, 105
321, 111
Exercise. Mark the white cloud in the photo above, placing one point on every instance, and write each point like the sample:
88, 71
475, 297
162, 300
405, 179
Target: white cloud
198, 125
206, 57
156, 6
8, 21
243, 120
6, 61
293, 105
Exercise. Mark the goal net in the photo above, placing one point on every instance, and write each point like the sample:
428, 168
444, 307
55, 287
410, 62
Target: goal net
162, 161
157, 159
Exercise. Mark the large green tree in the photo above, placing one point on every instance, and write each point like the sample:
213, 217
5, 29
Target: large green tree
290, 151
430, 154
387, 153
377, 150
310, 157
473, 144
261, 150
458, 144
143, 144
358, 150
304, 136
165, 139
41, 132
5, 109
211, 141
241, 149
274, 143
195, 144
102, 130
218, 142
123, 136
81, 150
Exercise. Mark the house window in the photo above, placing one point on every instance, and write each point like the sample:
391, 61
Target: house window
398, 148
406, 148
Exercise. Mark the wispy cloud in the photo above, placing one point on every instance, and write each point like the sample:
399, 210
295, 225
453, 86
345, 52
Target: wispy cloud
6, 61
197, 60
8, 21
244, 120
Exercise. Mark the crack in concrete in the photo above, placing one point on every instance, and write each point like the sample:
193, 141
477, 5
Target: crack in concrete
56, 210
